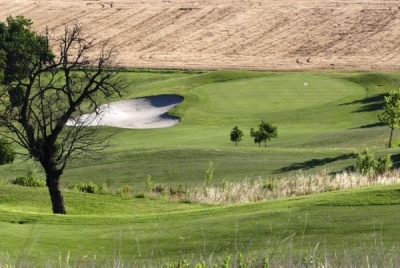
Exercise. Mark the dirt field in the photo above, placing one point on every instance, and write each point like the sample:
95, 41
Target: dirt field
219, 34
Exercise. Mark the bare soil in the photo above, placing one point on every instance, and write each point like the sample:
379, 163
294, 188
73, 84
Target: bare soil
232, 34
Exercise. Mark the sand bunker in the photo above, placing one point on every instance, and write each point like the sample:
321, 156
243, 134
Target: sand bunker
146, 112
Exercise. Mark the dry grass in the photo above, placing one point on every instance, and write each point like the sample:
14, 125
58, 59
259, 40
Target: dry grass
263, 189
220, 34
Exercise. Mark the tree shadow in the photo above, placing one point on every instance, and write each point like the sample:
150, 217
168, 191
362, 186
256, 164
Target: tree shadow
396, 160
309, 164
377, 124
369, 104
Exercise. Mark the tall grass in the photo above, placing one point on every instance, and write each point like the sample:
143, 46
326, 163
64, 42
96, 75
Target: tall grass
297, 184
248, 190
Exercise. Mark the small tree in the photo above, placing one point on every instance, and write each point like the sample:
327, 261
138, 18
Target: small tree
149, 183
236, 135
391, 112
258, 136
264, 133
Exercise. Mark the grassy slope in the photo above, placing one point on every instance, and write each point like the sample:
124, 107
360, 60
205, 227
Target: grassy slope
110, 227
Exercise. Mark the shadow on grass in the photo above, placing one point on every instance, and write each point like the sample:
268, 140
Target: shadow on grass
396, 160
369, 104
309, 164
377, 124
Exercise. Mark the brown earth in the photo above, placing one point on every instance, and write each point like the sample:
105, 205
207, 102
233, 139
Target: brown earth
220, 34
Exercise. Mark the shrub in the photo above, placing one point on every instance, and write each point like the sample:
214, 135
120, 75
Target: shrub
396, 143
7, 153
90, 188
33, 178
384, 164
28, 181
367, 164
124, 190
160, 189
179, 191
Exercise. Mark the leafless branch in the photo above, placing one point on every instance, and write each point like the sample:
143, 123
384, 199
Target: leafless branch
78, 81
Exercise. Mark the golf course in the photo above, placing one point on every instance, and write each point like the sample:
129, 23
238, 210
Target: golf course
172, 188
320, 124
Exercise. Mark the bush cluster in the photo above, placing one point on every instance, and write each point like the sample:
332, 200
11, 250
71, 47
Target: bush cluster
90, 188
367, 164
28, 181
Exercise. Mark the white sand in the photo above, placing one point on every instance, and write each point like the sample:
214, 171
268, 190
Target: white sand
140, 113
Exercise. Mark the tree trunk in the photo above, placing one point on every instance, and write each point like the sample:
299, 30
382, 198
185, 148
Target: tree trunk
390, 139
53, 183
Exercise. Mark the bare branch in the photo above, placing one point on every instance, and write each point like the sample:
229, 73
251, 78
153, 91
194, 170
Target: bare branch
38, 106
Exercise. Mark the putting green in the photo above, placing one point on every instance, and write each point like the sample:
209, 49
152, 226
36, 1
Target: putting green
258, 98
277, 93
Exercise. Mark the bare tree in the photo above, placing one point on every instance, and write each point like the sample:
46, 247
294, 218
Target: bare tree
41, 110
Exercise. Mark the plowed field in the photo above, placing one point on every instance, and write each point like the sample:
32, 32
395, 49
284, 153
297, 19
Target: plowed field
222, 34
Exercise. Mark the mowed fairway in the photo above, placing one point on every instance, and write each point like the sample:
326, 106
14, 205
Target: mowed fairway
319, 125
320, 121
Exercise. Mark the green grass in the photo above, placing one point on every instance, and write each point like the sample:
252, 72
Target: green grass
319, 127
303, 115
141, 230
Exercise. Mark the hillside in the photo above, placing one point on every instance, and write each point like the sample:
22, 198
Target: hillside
268, 35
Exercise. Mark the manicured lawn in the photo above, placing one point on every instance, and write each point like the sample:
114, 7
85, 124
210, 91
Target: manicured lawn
319, 125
